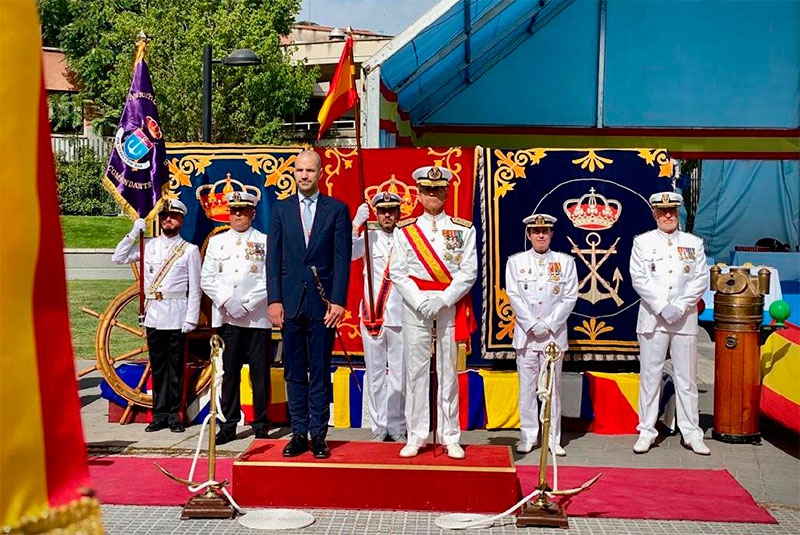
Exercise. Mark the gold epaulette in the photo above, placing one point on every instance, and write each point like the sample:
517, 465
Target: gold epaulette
461, 221
405, 222
373, 225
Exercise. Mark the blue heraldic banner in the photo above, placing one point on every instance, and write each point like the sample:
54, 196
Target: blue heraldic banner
201, 174
600, 199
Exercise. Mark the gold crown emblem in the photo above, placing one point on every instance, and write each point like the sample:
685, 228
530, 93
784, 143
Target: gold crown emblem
540, 221
408, 194
212, 197
593, 211
434, 172
665, 198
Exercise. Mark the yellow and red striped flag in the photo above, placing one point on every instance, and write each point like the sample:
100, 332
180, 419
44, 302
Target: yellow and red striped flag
342, 94
44, 476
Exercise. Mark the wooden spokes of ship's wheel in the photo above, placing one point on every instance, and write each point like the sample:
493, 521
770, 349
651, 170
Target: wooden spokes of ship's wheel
120, 340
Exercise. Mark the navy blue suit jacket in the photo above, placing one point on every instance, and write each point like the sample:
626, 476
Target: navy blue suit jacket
289, 260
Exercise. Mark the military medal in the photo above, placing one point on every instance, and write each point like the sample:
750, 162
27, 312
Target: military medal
556, 290
253, 268
686, 269
447, 256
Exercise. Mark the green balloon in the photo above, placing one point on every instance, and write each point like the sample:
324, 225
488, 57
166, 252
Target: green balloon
780, 310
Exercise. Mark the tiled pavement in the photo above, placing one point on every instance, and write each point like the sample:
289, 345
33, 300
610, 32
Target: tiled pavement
770, 472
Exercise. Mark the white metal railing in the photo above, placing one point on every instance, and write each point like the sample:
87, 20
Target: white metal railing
314, 126
70, 144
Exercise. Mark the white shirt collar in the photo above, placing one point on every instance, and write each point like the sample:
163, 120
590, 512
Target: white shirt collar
314, 198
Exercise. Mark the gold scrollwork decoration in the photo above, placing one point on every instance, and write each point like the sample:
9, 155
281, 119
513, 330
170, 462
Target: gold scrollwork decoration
447, 158
181, 170
592, 161
658, 157
277, 170
505, 315
511, 165
593, 328
348, 328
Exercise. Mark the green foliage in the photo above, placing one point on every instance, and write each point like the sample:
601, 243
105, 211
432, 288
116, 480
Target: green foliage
249, 103
54, 15
65, 113
80, 190
93, 232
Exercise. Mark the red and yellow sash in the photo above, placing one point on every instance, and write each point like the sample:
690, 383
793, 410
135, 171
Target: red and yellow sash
374, 325
465, 318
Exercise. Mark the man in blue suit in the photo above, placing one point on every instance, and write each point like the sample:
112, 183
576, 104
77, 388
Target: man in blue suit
308, 230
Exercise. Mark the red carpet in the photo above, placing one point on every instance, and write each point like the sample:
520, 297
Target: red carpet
653, 494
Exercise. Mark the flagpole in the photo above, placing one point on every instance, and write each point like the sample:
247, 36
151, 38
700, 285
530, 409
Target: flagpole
361, 181
140, 49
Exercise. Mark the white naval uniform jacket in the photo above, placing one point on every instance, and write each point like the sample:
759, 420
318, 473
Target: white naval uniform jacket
235, 264
668, 269
381, 245
180, 287
457, 253
541, 287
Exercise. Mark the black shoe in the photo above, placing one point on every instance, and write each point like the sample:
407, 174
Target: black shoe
296, 446
225, 436
262, 432
320, 448
177, 427
156, 426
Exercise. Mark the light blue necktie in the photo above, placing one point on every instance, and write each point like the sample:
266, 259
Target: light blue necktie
307, 218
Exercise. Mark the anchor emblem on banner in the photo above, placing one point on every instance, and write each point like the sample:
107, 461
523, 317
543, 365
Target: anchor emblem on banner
593, 295
594, 212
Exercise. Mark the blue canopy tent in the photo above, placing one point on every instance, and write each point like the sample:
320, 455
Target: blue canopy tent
711, 80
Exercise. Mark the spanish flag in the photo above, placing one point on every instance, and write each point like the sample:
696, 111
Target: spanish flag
44, 477
342, 94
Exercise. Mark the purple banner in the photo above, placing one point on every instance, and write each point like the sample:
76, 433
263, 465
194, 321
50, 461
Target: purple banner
137, 170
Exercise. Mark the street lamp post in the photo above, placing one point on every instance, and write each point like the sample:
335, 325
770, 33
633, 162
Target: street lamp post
241, 57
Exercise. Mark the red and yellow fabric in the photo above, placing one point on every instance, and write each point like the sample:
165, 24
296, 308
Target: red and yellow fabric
780, 368
342, 94
44, 481
615, 398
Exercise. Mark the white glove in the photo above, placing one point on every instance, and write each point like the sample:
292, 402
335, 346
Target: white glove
435, 305
671, 314
235, 308
187, 327
540, 329
362, 214
425, 309
138, 226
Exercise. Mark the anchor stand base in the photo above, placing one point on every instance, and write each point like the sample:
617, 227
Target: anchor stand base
208, 505
550, 515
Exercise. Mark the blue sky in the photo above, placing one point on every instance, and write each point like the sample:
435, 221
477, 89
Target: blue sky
387, 16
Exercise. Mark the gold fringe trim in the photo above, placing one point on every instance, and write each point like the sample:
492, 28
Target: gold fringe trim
81, 517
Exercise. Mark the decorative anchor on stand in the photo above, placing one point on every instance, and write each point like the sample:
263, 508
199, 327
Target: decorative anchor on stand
541, 511
214, 502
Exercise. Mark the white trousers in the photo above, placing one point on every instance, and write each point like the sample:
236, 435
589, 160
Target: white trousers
653, 352
385, 380
417, 354
529, 364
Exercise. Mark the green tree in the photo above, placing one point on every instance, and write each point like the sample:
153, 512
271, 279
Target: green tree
249, 103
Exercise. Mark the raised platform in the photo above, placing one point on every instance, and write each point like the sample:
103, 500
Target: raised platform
371, 475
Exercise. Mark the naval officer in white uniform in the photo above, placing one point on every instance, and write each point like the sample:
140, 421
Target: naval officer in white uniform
542, 286
235, 278
434, 266
382, 332
668, 271
172, 306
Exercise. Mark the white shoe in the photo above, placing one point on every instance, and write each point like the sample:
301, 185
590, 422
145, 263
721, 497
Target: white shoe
526, 447
699, 447
400, 437
409, 451
642, 445
558, 450
454, 451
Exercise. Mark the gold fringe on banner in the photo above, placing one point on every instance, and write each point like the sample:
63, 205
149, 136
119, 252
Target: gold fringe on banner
81, 517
